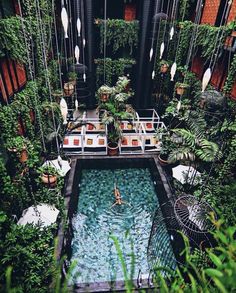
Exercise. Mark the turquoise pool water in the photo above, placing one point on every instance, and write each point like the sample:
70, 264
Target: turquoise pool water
96, 220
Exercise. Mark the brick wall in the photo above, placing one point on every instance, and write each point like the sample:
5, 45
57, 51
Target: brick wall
210, 11
232, 12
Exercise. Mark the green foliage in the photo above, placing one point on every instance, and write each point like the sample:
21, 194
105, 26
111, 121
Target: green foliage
231, 77
115, 109
120, 33
128, 279
192, 147
48, 170
29, 251
114, 68
11, 39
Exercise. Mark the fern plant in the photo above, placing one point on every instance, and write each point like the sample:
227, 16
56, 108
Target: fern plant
191, 147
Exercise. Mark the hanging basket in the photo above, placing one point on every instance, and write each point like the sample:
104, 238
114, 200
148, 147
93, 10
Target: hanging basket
180, 90
50, 180
69, 89
164, 68
104, 97
23, 156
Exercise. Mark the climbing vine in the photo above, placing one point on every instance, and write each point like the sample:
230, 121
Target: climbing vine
114, 68
119, 34
231, 78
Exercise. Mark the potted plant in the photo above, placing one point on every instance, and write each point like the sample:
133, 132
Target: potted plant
122, 85
167, 145
19, 145
181, 87
112, 146
104, 93
164, 66
57, 94
114, 111
72, 76
48, 175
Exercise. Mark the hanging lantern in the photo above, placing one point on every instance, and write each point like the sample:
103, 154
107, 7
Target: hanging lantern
78, 26
84, 77
173, 71
206, 78
162, 48
64, 19
76, 104
84, 42
171, 33
151, 54
153, 74
77, 53
64, 110
178, 106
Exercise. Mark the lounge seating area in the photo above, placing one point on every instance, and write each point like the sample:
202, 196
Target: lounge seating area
138, 136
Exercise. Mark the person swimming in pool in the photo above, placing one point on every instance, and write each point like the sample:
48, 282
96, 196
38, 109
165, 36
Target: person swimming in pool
118, 199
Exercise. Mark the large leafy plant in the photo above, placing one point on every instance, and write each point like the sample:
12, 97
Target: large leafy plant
191, 147
115, 109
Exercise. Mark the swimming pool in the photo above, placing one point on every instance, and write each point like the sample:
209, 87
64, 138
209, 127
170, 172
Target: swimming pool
95, 218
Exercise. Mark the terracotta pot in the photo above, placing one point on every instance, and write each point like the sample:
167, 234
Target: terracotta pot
113, 149
104, 97
50, 180
163, 160
180, 90
69, 89
23, 156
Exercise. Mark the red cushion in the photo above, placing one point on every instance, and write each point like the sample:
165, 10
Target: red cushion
134, 142
149, 125
124, 141
66, 141
76, 141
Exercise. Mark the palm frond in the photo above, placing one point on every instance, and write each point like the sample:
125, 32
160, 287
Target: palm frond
187, 136
208, 150
183, 153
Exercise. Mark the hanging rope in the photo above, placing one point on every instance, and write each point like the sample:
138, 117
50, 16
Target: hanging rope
105, 41
154, 29
195, 32
179, 35
57, 47
226, 13
44, 57
173, 17
35, 89
83, 38
159, 28
162, 48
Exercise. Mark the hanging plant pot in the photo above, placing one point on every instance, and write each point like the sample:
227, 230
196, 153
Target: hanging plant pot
164, 67
180, 91
23, 157
104, 97
180, 88
48, 179
113, 148
69, 89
